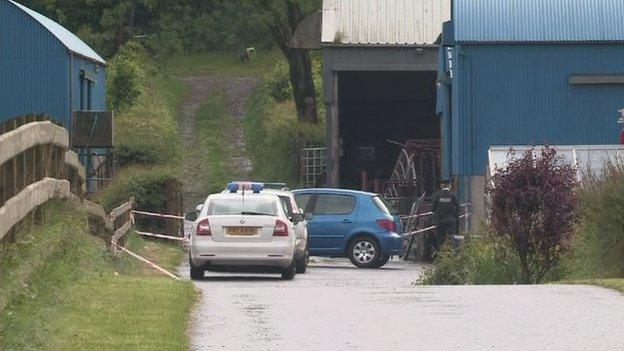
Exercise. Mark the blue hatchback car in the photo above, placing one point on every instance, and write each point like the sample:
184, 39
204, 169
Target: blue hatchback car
347, 223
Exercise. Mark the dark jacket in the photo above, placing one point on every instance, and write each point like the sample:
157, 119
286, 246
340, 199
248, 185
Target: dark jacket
445, 207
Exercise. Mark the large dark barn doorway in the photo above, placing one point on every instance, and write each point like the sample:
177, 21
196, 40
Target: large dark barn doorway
375, 107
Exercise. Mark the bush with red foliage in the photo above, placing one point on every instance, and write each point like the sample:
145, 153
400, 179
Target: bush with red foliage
534, 203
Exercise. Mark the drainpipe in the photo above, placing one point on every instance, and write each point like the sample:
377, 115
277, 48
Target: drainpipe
71, 97
467, 87
452, 9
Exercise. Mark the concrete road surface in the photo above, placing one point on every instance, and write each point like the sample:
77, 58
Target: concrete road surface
336, 306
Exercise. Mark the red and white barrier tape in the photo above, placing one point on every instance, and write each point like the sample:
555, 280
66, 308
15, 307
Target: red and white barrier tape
428, 213
420, 231
162, 236
152, 214
150, 263
417, 215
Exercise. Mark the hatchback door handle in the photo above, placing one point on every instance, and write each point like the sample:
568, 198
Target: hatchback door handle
346, 220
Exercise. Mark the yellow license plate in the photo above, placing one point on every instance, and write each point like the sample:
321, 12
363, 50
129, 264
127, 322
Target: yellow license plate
241, 230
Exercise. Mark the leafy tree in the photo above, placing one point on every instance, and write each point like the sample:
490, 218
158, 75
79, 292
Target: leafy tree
164, 27
534, 203
282, 18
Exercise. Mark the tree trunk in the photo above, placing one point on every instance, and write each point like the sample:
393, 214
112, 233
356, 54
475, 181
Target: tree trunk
282, 29
303, 85
126, 28
526, 270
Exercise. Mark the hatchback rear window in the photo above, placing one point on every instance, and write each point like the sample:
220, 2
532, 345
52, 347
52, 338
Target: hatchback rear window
327, 204
234, 206
384, 206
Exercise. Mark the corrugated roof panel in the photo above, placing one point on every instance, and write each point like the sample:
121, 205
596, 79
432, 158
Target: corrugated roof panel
384, 22
539, 20
72, 42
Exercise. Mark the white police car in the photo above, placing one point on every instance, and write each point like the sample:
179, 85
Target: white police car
293, 212
243, 231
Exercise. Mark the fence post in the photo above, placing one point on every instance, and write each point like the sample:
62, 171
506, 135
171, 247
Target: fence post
170, 200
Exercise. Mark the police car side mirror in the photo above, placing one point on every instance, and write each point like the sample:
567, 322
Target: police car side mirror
190, 216
297, 217
199, 208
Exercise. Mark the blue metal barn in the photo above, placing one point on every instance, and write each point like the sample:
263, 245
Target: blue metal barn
524, 72
45, 69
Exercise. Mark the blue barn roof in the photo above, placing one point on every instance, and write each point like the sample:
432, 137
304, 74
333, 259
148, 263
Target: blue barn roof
67, 38
508, 21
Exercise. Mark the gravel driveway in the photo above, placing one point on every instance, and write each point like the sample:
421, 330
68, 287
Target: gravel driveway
338, 307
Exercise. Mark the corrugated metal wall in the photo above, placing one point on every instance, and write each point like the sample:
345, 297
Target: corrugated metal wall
33, 68
539, 20
98, 94
384, 22
520, 94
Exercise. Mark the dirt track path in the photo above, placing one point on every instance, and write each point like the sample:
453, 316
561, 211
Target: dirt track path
237, 90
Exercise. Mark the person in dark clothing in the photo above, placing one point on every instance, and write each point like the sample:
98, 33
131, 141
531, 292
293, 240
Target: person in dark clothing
445, 207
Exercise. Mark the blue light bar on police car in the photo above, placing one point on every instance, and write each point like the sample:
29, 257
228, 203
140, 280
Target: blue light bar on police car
253, 186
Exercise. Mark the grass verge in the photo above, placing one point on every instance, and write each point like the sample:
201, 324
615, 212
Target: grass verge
79, 296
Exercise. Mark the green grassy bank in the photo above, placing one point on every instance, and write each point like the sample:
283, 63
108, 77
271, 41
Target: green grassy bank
64, 290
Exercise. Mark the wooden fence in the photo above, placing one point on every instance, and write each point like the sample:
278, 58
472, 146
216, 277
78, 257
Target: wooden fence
36, 165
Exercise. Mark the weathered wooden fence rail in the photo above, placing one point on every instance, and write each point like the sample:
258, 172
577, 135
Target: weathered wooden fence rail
36, 166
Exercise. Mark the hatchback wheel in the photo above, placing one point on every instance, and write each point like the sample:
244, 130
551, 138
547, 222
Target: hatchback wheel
382, 261
364, 252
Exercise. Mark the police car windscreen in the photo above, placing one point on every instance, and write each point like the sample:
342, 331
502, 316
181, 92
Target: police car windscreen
238, 206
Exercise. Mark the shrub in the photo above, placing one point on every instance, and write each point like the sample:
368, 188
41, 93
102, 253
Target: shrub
534, 205
126, 77
277, 82
488, 259
599, 242
146, 184
147, 133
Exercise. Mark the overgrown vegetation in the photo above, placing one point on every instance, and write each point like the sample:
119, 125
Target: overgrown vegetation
145, 128
64, 290
145, 183
148, 143
599, 241
596, 242
272, 127
484, 259
533, 213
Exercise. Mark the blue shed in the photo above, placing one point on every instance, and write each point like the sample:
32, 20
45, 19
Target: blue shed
45, 69
527, 72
